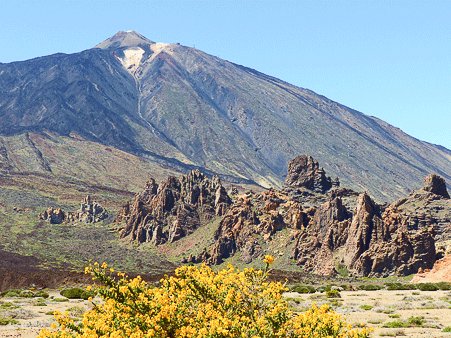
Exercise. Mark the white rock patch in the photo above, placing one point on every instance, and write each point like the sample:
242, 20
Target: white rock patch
132, 58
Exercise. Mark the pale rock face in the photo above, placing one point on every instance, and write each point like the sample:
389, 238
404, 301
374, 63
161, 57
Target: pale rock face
132, 58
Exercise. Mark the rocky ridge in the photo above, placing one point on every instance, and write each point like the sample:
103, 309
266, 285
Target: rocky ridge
331, 229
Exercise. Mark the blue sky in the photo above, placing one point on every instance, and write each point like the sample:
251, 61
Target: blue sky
389, 59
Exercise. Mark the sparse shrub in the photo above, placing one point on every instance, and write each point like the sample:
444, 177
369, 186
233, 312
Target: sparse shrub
366, 307
416, 321
342, 270
369, 287
395, 324
200, 303
76, 310
8, 306
333, 294
11, 293
427, 287
397, 333
60, 300
39, 304
394, 316
400, 286
26, 294
447, 329
42, 294
8, 320
304, 289
321, 289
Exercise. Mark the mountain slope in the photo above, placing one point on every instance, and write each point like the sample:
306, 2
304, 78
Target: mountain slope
180, 106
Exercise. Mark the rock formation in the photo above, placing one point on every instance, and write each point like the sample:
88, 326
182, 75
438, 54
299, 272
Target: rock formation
90, 212
174, 208
54, 216
440, 272
329, 229
435, 184
304, 172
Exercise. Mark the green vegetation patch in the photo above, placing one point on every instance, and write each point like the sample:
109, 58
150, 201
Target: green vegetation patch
303, 289
77, 293
333, 294
370, 287
8, 320
427, 287
400, 286
366, 307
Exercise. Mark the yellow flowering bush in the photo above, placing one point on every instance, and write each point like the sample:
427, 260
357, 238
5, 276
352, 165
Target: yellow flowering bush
199, 302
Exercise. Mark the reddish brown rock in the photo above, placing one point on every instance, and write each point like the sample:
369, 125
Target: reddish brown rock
435, 184
54, 216
174, 208
304, 172
440, 272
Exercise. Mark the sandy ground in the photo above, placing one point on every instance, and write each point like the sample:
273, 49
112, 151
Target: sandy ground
434, 306
33, 318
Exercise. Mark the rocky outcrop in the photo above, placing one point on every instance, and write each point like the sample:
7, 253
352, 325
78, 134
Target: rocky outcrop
369, 245
328, 233
90, 212
440, 272
174, 208
435, 184
304, 172
54, 216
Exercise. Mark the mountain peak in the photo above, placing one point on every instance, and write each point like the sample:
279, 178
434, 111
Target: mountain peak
124, 39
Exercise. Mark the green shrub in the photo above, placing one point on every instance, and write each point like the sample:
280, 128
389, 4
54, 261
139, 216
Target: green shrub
444, 285
395, 324
42, 294
400, 286
304, 289
8, 320
77, 293
447, 329
60, 300
11, 293
26, 294
39, 304
416, 321
8, 306
342, 270
333, 294
366, 307
369, 287
427, 287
